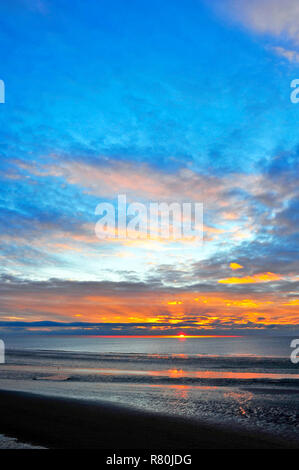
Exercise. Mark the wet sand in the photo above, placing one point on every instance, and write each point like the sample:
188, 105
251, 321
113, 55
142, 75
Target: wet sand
70, 423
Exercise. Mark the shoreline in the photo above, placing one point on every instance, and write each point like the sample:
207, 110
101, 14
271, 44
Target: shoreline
65, 423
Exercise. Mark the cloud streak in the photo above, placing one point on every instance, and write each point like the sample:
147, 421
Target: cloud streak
274, 19
268, 16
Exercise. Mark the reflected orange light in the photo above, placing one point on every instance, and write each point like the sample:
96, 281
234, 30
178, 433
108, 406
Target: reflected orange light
162, 336
176, 373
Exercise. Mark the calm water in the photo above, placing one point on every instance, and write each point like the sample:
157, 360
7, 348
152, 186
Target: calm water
246, 345
248, 382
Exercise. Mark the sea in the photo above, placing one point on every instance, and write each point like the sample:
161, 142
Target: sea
246, 382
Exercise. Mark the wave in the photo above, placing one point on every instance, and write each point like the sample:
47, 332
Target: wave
194, 361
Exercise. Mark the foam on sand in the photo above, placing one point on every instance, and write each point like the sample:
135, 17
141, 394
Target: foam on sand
12, 443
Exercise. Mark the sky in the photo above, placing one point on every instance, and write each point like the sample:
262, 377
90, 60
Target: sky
162, 102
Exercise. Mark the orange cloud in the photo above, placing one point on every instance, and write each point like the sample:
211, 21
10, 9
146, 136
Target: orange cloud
236, 266
293, 302
256, 278
109, 304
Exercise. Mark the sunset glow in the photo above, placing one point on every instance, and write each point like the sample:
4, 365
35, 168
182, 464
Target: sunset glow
148, 124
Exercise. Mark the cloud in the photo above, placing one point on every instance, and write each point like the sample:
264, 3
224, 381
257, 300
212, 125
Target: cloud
235, 266
257, 199
150, 304
53, 228
275, 17
257, 278
108, 178
142, 329
290, 55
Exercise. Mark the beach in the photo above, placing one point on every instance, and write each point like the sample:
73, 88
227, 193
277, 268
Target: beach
54, 422
108, 393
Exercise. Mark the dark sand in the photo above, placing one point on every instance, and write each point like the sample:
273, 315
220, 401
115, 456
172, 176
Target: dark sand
69, 423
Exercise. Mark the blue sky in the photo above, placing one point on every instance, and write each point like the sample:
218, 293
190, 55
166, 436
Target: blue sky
159, 100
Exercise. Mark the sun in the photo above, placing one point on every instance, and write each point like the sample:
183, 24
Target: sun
182, 336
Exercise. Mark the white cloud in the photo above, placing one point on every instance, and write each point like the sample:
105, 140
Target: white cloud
274, 17
291, 56
278, 19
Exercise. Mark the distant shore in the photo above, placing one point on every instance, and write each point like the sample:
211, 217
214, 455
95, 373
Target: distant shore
70, 423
